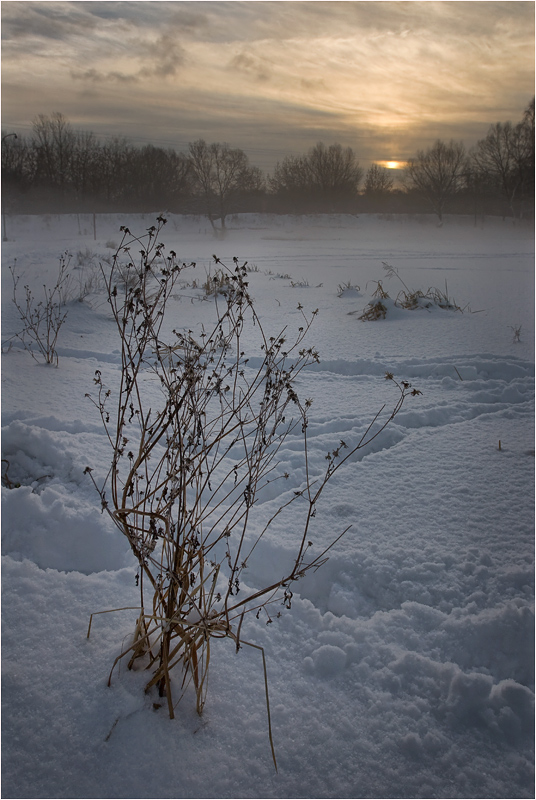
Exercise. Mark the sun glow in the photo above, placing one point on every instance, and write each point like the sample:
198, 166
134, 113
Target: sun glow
391, 164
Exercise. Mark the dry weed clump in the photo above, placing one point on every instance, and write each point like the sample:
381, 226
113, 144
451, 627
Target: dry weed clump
219, 283
6, 480
186, 473
412, 299
409, 299
376, 308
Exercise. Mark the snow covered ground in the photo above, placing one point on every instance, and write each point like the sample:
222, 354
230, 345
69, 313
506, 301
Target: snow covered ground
405, 667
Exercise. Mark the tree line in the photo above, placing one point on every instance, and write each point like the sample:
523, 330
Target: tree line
58, 168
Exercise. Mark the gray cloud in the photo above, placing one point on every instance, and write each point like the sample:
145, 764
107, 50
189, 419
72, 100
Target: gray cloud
313, 85
189, 20
162, 58
236, 20
94, 76
250, 65
149, 58
233, 20
52, 20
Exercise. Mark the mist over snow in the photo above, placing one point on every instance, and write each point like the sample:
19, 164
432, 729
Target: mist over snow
404, 668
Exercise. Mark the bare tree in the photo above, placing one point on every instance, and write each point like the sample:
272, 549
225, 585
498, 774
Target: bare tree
378, 187
378, 181
158, 177
17, 163
328, 176
504, 160
438, 173
291, 181
114, 160
54, 142
335, 172
222, 174
528, 163
84, 163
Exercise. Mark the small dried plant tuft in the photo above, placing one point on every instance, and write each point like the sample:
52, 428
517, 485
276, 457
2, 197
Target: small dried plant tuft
516, 333
346, 288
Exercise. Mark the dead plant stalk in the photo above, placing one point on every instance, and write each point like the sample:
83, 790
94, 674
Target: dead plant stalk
185, 479
42, 319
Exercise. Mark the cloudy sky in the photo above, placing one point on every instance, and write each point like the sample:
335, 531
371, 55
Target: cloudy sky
385, 78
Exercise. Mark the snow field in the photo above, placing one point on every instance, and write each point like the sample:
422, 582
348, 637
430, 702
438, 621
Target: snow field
405, 666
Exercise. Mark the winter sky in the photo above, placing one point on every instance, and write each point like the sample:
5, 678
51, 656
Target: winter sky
385, 78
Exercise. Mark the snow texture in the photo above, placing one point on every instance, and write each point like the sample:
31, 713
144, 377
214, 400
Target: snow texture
404, 668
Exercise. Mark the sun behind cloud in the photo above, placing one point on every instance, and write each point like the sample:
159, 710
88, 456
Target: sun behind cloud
391, 164
272, 77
